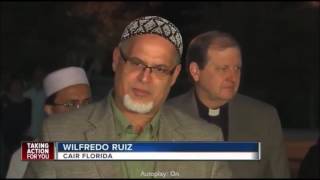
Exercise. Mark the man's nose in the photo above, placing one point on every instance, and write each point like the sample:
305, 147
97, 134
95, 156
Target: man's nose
232, 75
145, 75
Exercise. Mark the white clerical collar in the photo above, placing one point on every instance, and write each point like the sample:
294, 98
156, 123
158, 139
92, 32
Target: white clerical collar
214, 112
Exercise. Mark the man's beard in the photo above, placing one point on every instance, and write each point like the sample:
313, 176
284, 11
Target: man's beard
141, 108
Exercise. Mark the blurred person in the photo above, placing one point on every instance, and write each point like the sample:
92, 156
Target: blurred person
4, 157
66, 89
309, 167
214, 65
37, 96
146, 64
15, 113
15, 117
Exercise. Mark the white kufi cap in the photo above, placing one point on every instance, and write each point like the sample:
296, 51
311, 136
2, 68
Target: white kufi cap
63, 78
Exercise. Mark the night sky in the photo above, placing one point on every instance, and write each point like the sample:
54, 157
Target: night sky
279, 41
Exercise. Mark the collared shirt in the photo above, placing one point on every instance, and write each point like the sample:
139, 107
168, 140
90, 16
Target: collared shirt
221, 118
124, 130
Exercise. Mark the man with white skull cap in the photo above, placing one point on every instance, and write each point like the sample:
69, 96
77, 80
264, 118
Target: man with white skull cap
66, 89
146, 64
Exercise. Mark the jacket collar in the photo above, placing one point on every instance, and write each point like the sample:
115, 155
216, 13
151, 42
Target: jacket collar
103, 129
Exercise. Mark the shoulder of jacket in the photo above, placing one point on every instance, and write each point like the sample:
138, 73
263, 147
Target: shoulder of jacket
193, 125
252, 102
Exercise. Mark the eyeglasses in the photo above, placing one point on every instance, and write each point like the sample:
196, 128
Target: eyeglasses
137, 65
74, 104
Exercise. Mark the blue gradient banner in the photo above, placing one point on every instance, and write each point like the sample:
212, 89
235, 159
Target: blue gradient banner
193, 146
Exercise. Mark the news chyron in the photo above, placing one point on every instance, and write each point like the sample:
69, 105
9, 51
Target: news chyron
162, 150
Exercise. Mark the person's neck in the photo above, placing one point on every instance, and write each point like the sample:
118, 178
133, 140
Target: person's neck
208, 102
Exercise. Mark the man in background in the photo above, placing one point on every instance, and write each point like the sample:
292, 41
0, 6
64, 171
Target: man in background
15, 118
37, 96
309, 167
66, 89
214, 64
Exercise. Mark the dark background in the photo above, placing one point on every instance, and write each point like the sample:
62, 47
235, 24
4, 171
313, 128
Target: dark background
280, 44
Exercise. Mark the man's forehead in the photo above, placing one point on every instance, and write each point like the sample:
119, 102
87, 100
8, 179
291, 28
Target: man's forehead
149, 39
151, 49
78, 93
228, 51
226, 56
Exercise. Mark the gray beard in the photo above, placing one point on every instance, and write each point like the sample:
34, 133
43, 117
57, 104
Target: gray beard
141, 108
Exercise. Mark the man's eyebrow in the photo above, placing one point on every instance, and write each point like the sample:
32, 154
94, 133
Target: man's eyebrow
72, 100
142, 62
161, 66
75, 100
136, 59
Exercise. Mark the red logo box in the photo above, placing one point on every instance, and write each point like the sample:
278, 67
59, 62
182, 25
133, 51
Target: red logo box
31, 151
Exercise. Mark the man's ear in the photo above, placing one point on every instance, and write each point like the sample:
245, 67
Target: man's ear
48, 109
115, 58
175, 74
194, 71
